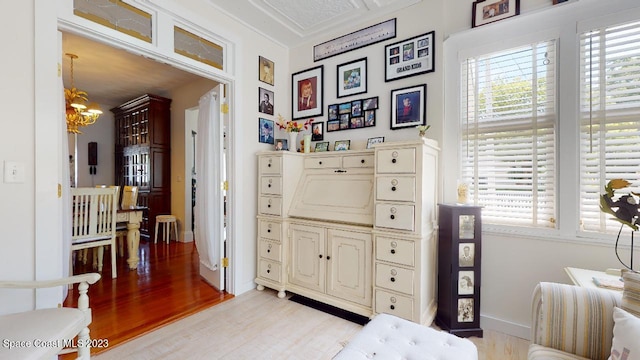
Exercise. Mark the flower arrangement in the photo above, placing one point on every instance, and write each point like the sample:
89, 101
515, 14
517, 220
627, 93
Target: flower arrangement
292, 126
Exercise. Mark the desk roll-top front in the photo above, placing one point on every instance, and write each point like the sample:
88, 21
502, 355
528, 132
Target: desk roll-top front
352, 229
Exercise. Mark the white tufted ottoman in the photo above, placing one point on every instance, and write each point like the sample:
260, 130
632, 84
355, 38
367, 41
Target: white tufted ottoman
388, 337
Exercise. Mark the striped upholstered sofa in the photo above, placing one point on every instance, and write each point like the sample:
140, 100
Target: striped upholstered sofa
571, 322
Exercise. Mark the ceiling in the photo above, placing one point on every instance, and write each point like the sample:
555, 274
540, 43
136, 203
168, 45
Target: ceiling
113, 76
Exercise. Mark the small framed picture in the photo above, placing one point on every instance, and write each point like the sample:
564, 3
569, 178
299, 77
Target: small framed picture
352, 78
408, 107
345, 121
333, 125
465, 282
341, 145
344, 108
374, 140
333, 112
282, 144
370, 103
356, 108
307, 93
465, 310
265, 129
266, 69
488, 11
266, 101
466, 254
317, 131
356, 122
410, 57
322, 146
369, 118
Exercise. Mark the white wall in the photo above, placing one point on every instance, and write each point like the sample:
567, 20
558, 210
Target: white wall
103, 133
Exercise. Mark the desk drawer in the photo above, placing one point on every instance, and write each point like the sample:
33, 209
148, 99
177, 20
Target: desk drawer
270, 270
322, 162
270, 250
358, 161
270, 230
395, 216
271, 205
395, 250
389, 303
394, 278
270, 165
271, 185
396, 161
396, 188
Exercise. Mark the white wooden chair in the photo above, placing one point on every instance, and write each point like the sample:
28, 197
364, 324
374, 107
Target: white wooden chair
53, 329
94, 222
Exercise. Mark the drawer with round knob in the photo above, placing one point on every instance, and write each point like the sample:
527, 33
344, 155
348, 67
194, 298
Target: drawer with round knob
323, 162
271, 185
270, 230
394, 278
270, 165
270, 270
395, 216
270, 205
395, 250
389, 303
270, 250
396, 161
358, 161
396, 188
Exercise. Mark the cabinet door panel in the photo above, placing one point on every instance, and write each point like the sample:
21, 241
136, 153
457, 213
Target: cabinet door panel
308, 263
349, 271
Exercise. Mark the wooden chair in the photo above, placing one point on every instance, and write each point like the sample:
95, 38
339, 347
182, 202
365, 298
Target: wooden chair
94, 222
53, 329
129, 199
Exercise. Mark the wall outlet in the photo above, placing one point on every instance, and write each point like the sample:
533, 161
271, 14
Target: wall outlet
14, 172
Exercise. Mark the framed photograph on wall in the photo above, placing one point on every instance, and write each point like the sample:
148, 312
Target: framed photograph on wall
317, 131
333, 112
410, 57
408, 107
488, 11
307, 93
265, 131
266, 69
333, 125
352, 78
370, 103
266, 101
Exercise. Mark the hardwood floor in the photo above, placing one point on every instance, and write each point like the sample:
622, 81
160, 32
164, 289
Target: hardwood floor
165, 287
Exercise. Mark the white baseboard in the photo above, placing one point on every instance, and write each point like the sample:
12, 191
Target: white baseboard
187, 236
506, 327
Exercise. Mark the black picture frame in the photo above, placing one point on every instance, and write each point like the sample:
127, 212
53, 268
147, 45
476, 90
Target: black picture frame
488, 11
341, 145
409, 107
265, 105
332, 112
410, 57
281, 144
307, 82
370, 103
265, 131
333, 125
266, 70
352, 78
317, 131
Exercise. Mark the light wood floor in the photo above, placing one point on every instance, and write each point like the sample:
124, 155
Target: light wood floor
140, 311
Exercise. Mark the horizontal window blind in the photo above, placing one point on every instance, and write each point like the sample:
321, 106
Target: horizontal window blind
610, 117
508, 142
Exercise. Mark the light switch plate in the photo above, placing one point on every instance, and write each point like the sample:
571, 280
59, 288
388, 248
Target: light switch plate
14, 172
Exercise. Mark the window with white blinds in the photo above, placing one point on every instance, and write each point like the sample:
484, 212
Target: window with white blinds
508, 134
610, 117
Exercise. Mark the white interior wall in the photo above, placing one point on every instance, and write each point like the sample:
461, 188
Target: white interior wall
102, 132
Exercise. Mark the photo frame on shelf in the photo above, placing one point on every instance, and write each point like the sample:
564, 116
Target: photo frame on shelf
355, 40
341, 145
265, 102
282, 144
408, 107
352, 78
322, 146
266, 70
410, 57
374, 140
317, 131
488, 11
265, 131
307, 93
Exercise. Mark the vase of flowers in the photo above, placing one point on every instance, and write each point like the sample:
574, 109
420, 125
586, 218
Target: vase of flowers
293, 128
